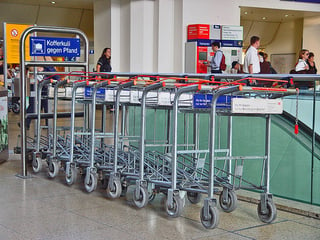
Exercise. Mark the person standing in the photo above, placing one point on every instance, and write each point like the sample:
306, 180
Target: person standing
311, 64
302, 67
104, 62
251, 61
216, 58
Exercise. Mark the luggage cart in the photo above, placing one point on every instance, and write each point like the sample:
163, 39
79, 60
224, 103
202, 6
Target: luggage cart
209, 214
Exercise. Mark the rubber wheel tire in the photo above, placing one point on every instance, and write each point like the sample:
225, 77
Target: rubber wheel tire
53, 169
117, 190
71, 177
16, 108
231, 203
271, 214
194, 197
213, 220
143, 198
93, 181
36, 164
176, 211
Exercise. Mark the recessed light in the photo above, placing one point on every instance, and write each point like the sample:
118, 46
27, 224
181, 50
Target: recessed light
264, 18
245, 13
286, 15
53, 2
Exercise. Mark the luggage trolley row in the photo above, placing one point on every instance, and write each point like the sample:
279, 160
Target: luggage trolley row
174, 165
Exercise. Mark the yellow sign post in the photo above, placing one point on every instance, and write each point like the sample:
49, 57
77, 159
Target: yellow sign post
12, 42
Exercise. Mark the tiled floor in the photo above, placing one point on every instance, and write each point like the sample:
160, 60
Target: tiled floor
40, 208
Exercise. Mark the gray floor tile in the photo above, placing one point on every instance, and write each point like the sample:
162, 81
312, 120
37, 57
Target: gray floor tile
99, 234
282, 230
170, 228
309, 221
7, 234
50, 226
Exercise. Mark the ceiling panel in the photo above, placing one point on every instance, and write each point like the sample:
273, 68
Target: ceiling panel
85, 4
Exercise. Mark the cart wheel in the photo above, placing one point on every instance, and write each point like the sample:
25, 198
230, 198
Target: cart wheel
194, 197
213, 219
53, 169
152, 196
151, 192
143, 199
231, 203
93, 181
177, 208
36, 164
271, 213
117, 189
71, 176
16, 108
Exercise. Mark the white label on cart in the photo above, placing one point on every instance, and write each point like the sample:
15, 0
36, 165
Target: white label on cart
125, 96
185, 99
135, 95
68, 91
109, 97
164, 99
262, 106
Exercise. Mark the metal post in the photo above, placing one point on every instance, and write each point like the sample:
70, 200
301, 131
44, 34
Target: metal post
267, 154
229, 146
143, 126
115, 122
23, 64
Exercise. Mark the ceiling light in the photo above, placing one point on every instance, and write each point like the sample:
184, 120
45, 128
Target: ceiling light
264, 18
245, 13
53, 2
286, 15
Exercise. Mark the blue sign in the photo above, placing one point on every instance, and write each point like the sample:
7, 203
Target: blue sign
101, 92
56, 47
205, 101
223, 43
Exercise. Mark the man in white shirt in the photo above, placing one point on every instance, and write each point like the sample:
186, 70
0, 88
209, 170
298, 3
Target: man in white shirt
251, 61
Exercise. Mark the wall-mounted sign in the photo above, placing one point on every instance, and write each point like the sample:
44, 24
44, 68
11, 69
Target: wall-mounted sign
12, 42
232, 33
58, 47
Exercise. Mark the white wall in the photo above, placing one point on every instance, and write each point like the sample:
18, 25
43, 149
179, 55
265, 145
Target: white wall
153, 32
311, 36
287, 40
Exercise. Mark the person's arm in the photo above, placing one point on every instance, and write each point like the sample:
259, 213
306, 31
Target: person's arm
250, 68
98, 67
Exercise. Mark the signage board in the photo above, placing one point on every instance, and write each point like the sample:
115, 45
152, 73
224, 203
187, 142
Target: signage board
205, 101
12, 42
55, 47
256, 106
232, 32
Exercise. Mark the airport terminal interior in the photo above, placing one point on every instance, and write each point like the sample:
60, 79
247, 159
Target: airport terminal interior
156, 145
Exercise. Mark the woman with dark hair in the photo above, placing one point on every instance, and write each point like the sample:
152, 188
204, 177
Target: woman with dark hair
302, 66
311, 64
103, 64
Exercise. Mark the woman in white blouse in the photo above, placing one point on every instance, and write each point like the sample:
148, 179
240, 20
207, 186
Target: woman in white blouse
302, 64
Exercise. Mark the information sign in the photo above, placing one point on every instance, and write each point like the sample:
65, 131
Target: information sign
259, 106
12, 42
57, 47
